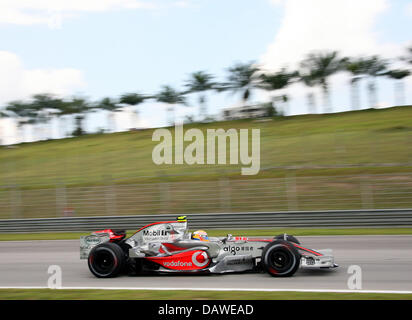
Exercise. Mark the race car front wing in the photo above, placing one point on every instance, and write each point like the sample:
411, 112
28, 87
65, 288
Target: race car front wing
323, 259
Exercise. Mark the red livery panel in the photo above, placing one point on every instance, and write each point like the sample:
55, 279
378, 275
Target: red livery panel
188, 260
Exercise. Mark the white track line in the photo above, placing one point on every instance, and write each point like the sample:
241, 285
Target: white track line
217, 289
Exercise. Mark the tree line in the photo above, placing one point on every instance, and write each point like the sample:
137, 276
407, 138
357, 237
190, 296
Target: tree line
314, 71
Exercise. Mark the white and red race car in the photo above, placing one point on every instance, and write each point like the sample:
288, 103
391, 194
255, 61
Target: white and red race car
168, 247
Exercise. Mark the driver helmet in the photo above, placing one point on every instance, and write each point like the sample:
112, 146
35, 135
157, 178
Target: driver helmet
200, 235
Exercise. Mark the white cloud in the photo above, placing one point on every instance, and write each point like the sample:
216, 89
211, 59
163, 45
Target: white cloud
277, 2
346, 26
59, 81
324, 25
21, 83
183, 3
29, 12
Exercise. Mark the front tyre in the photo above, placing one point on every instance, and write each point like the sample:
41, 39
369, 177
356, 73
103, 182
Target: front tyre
280, 259
106, 260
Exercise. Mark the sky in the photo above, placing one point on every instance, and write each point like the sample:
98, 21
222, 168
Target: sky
99, 48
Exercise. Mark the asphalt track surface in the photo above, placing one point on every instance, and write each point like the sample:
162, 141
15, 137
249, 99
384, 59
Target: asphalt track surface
385, 261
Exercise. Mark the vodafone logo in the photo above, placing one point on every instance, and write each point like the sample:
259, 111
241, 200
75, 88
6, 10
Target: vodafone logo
177, 264
200, 259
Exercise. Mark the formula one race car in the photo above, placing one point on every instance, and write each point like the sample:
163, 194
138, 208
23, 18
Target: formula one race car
168, 247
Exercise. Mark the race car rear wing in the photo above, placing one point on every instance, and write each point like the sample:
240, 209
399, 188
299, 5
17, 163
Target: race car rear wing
87, 243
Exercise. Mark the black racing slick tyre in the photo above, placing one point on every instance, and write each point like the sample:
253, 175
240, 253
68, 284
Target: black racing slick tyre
280, 259
106, 260
289, 238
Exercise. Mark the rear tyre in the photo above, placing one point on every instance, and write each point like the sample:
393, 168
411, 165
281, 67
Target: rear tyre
280, 259
106, 260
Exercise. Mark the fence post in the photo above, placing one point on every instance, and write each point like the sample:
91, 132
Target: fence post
15, 201
291, 191
366, 193
409, 146
340, 148
110, 196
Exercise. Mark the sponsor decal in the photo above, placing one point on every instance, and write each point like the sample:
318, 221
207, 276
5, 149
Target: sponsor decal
200, 258
158, 234
92, 240
155, 233
235, 249
177, 264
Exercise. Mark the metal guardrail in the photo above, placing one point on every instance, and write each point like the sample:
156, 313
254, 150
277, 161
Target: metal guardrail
292, 219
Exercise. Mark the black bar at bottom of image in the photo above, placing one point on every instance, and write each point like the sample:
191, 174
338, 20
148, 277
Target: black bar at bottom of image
204, 309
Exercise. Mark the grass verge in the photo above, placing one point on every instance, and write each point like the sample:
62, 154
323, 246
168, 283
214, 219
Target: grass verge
222, 232
69, 294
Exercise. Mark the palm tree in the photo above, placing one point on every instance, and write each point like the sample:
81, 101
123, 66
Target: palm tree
200, 82
23, 114
242, 77
321, 66
76, 108
46, 106
133, 99
276, 81
310, 81
357, 67
64, 111
111, 106
79, 107
171, 97
398, 75
2, 115
374, 67
39, 111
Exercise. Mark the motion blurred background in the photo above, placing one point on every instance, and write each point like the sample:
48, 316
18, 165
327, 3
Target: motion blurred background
85, 83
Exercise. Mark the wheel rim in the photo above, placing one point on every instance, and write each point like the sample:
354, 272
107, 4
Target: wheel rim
281, 259
104, 262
